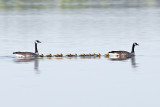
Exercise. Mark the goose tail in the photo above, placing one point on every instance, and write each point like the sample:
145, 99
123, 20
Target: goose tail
14, 52
111, 52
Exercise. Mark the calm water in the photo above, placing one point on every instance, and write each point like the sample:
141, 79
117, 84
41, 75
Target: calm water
77, 82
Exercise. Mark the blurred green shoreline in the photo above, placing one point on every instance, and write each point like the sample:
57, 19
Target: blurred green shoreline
74, 4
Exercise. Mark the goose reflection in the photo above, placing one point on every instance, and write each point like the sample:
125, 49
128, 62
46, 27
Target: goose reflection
133, 62
25, 60
123, 58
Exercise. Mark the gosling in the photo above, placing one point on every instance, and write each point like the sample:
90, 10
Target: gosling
49, 55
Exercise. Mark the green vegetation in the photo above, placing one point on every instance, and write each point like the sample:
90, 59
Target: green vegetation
72, 4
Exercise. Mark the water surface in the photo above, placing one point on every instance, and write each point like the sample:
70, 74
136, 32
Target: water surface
76, 28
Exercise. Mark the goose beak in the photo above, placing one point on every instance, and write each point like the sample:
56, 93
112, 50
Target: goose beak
39, 42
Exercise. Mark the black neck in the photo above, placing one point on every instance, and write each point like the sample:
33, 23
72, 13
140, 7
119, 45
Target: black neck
36, 50
133, 48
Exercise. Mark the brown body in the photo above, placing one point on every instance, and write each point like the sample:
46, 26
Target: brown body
124, 54
28, 54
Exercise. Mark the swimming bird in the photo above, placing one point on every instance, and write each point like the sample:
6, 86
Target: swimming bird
125, 54
98, 55
106, 55
69, 55
75, 55
93, 54
49, 55
28, 54
58, 55
41, 55
61, 55
88, 54
82, 55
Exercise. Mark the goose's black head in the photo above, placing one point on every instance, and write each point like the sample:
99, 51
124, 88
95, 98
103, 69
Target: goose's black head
135, 44
37, 41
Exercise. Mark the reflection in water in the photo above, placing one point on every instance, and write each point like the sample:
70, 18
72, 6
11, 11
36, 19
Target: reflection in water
122, 58
71, 57
35, 60
133, 62
118, 57
36, 65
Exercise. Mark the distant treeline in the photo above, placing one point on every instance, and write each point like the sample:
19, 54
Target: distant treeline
38, 4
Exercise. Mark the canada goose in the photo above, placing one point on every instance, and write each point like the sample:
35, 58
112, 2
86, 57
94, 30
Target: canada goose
125, 53
28, 54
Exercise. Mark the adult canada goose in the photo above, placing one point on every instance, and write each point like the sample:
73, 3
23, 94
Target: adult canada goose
28, 54
124, 54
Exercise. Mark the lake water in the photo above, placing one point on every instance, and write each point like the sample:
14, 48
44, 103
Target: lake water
80, 82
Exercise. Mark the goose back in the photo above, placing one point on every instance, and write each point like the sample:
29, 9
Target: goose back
26, 54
